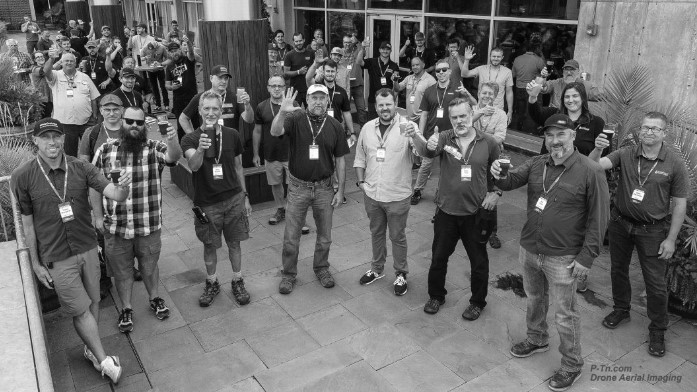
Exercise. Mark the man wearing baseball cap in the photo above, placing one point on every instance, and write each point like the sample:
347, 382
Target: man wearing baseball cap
380, 71
317, 147
126, 92
571, 74
180, 77
94, 67
58, 228
234, 106
568, 212
139, 41
155, 53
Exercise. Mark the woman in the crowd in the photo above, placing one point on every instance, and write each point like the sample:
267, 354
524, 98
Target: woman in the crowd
38, 80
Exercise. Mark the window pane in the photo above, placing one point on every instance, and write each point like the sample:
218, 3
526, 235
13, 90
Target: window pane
396, 4
307, 22
468, 31
552, 9
341, 23
556, 42
309, 3
478, 7
347, 4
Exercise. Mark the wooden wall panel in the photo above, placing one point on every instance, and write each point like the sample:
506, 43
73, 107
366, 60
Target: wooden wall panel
108, 15
75, 10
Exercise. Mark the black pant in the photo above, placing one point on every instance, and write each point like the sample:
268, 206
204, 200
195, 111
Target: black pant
48, 110
73, 134
447, 230
521, 119
155, 78
372, 112
31, 46
180, 103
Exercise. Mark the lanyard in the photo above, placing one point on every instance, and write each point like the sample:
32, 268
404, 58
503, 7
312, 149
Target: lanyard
312, 131
416, 84
496, 78
65, 184
220, 147
641, 183
331, 100
128, 99
71, 81
544, 177
273, 114
93, 64
383, 139
481, 123
445, 92
382, 73
470, 148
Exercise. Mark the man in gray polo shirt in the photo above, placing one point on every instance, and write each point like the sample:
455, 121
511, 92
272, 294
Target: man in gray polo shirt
651, 174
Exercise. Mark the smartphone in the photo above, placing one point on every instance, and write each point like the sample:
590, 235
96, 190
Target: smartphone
200, 215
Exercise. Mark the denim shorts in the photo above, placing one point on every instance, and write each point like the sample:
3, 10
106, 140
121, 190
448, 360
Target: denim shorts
228, 218
120, 253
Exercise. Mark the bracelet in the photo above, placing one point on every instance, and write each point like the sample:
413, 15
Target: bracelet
246, 194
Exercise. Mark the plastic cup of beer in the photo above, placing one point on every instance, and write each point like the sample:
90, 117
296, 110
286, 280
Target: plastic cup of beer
162, 123
403, 127
209, 131
505, 164
240, 91
115, 171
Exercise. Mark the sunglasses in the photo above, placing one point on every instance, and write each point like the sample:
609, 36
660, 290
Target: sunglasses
130, 121
277, 86
442, 70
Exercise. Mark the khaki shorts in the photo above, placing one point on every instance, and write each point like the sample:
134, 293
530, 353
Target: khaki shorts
121, 251
76, 280
274, 172
228, 218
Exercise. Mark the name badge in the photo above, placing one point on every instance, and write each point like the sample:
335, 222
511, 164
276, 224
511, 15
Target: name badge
217, 171
466, 173
93, 75
412, 98
381, 154
179, 79
349, 67
638, 195
314, 152
69, 93
439, 113
541, 204
330, 112
220, 122
383, 81
66, 211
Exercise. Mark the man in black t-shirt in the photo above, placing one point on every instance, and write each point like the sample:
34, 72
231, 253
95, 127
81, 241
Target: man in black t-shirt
220, 193
317, 147
125, 92
180, 77
94, 67
296, 64
380, 71
339, 101
419, 50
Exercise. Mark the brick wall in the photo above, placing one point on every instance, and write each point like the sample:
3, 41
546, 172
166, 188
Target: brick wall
13, 11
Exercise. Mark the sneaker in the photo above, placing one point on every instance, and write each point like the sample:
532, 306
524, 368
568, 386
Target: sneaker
158, 306
112, 368
400, 284
615, 318
137, 276
90, 357
305, 230
526, 349
582, 284
416, 197
562, 380
433, 305
657, 343
287, 284
239, 292
156, 108
209, 292
370, 277
494, 241
126, 320
472, 312
325, 278
344, 201
278, 217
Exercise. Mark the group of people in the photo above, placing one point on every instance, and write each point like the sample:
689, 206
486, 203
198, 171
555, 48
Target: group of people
302, 134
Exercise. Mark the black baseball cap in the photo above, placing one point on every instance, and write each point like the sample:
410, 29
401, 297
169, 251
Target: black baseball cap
47, 124
173, 46
220, 70
559, 121
126, 72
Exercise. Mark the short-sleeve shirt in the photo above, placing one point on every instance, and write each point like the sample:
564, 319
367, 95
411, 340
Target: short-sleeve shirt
209, 191
355, 74
89, 143
132, 98
526, 67
417, 88
501, 76
141, 85
57, 240
186, 69
275, 147
331, 141
339, 101
427, 55
137, 43
377, 70
296, 60
75, 110
438, 98
668, 179
232, 111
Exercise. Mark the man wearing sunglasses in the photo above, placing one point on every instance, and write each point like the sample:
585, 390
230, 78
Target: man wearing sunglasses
651, 174
132, 228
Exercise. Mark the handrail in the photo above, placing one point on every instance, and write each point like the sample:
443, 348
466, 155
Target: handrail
31, 299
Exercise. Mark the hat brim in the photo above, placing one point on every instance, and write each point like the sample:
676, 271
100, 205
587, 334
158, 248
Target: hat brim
557, 126
224, 74
41, 132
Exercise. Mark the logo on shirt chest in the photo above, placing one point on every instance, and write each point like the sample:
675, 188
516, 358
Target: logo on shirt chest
661, 173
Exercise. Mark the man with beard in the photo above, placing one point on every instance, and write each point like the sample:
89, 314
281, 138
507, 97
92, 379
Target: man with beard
465, 198
74, 98
59, 233
180, 78
296, 64
571, 74
156, 53
280, 44
132, 228
114, 56
339, 105
317, 148
19, 59
44, 43
93, 65
105, 40
383, 169
140, 85
568, 211
215, 158
190, 119
78, 43
139, 41
352, 60
126, 93
416, 85
419, 50
434, 116
651, 175
493, 72
380, 71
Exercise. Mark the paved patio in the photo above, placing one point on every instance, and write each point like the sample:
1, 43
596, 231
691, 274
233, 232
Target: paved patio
352, 337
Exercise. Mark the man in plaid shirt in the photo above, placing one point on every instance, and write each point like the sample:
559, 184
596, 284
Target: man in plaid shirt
132, 228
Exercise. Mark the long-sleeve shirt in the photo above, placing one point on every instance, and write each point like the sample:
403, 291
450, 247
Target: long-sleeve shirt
576, 214
495, 125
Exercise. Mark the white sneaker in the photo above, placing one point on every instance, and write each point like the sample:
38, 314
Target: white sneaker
111, 367
90, 357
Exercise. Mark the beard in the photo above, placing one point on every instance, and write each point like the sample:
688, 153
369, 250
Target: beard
133, 144
558, 152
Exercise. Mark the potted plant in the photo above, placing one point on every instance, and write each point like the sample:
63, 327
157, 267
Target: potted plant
627, 96
20, 102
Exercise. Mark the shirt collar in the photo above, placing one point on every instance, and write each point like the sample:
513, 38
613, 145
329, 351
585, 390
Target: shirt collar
62, 166
661, 154
568, 162
477, 135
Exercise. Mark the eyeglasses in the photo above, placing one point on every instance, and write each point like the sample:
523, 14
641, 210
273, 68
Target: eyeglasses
653, 130
277, 86
442, 70
130, 121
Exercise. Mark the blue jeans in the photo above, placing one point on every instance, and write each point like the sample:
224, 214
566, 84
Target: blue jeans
358, 98
301, 196
540, 273
424, 173
623, 237
392, 215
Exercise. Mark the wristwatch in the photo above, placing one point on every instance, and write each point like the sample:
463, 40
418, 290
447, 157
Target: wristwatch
500, 193
358, 183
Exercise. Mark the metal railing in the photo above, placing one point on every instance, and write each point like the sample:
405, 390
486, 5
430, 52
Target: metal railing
32, 302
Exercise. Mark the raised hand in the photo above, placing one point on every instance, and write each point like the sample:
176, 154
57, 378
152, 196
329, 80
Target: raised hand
469, 53
433, 140
287, 103
533, 88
